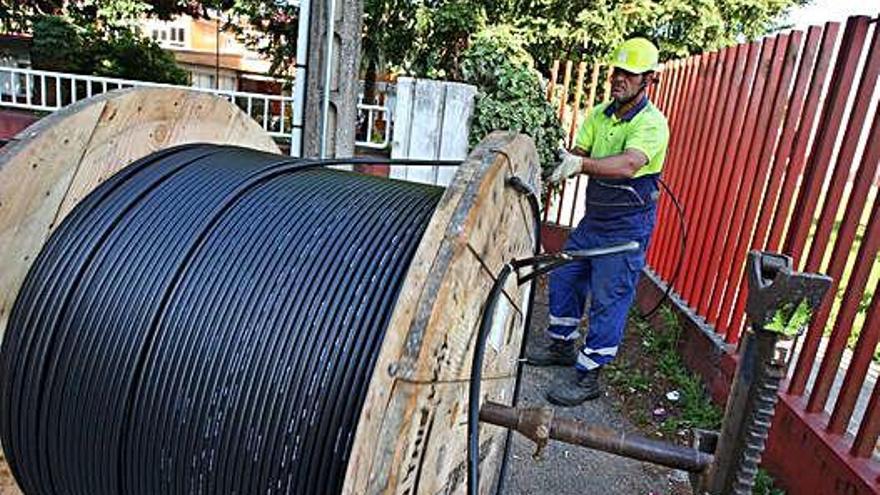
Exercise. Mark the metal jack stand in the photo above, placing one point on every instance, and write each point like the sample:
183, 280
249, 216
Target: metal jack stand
774, 289
779, 304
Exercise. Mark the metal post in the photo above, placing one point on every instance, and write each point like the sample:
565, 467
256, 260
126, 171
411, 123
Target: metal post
299, 80
217, 55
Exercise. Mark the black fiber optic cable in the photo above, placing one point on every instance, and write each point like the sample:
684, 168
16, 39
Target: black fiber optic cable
682, 251
535, 208
206, 321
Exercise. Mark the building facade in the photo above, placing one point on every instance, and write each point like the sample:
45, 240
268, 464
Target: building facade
214, 58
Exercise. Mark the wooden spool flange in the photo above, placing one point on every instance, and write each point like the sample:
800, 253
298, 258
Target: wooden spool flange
412, 434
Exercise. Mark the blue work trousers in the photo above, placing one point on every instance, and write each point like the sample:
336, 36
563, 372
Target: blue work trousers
610, 281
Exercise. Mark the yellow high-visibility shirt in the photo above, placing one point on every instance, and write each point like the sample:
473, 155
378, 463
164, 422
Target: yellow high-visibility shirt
643, 128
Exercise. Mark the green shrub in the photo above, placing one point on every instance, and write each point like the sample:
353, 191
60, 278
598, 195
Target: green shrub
765, 484
60, 45
127, 55
510, 96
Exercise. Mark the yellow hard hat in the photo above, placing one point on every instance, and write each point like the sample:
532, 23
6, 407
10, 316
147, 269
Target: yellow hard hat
636, 55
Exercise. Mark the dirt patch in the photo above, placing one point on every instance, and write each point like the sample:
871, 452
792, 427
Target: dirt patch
649, 384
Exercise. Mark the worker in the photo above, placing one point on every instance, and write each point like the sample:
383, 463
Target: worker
620, 147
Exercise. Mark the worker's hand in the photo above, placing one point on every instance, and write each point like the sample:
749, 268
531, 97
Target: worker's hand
570, 166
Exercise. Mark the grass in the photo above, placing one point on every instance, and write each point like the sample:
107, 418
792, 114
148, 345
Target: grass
697, 410
764, 485
663, 370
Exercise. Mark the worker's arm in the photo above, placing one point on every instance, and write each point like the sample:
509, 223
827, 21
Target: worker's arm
621, 166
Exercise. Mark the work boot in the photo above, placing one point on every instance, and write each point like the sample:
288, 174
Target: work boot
576, 388
556, 353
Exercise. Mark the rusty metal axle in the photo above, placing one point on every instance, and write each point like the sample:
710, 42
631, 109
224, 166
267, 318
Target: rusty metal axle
540, 425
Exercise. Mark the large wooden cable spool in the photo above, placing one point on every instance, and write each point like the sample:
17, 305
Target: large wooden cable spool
411, 435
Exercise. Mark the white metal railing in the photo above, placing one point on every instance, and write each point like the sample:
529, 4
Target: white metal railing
373, 126
49, 91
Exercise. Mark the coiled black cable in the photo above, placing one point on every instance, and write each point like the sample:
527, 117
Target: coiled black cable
206, 321
682, 251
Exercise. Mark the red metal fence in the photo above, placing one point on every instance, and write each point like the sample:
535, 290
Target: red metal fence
776, 145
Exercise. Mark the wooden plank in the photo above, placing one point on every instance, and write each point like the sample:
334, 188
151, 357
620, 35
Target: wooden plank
457, 112
744, 167
429, 459
830, 122
816, 73
480, 227
845, 236
687, 134
594, 86
416, 401
427, 129
563, 96
823, 144
554, 73
755, 181
607, 91
402, 124
680, 127
136, 123
869, 335
433, 123
699, 284
576, 105
672, 173
708, 127
762, 200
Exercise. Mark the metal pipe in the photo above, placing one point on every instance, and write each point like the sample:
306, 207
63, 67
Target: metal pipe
328, 74
539, 424
217, 55
299, 81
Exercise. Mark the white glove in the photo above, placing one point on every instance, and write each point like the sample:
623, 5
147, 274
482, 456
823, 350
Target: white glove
570, 166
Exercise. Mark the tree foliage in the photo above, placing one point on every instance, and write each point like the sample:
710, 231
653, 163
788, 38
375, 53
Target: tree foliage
493, 43
267, 26
573, 29
60, 45
420, 37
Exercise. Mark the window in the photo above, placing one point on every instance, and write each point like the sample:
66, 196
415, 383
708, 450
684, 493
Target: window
173, 35
164, 35
203, 80
180, 36
155, 34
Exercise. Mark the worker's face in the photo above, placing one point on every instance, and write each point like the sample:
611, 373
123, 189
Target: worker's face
626, 85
